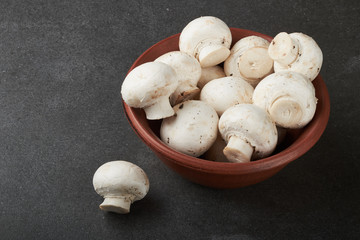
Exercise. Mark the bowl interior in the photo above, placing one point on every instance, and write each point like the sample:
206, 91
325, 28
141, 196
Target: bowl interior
296, 143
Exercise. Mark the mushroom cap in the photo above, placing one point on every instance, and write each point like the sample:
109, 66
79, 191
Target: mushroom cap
193, 128
210, 73
296, 94
203, 32
239, 50
121, 179
147, 83
223, 93
309, 59
187, 68
188, 71
253, 125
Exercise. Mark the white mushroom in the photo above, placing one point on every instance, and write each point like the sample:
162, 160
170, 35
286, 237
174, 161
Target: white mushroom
249, 132
289, 98
188, 71
208, 39
249, 59
210, 73
193, 128
223, 93
121, 183
296, 52
149, 86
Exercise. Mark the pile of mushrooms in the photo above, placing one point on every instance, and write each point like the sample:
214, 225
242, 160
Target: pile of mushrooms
226, 103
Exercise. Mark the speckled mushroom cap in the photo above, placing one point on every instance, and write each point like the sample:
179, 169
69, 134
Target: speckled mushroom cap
307, 60
193, 128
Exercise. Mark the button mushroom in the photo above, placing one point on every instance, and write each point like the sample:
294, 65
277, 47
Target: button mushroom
296, 52
193, 128
249, 132
210, 73
149, 86
188, 71
121, 183
208, 39
223, 93
289, 98
249, 59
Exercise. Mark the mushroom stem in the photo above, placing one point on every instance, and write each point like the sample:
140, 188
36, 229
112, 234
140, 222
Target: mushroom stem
116, 204
238, 150
255, 63
212, 55
161, 109
285, 111
283, 49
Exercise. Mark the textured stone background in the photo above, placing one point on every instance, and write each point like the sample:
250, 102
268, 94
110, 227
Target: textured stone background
62, 64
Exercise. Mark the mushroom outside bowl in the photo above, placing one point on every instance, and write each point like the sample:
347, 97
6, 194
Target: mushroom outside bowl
222, 174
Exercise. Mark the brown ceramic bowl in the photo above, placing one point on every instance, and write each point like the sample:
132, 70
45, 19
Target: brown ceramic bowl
220, 174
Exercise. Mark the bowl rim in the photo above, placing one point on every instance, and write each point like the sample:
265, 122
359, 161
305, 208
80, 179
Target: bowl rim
314, 131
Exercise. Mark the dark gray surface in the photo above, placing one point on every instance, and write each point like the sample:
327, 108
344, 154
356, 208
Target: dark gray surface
61, 68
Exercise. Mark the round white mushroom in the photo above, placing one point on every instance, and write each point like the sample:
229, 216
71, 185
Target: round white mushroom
223, 93
296, 52
193, 128
289, 98
249, 59
210, 73
188, 71
149, 86
208, 39
249, 132
121, 183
